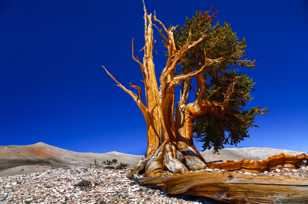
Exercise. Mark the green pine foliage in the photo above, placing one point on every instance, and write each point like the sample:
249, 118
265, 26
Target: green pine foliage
231, 126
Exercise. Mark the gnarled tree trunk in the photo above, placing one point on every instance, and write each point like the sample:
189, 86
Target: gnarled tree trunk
169, 128
170, 147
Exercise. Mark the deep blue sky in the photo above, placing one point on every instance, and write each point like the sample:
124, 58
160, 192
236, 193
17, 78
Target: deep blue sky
53, 90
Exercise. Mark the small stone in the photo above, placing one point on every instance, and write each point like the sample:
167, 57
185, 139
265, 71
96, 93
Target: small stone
84, 184
7, 186
3, 196
304, 162
288, 166
135, 189
28, 200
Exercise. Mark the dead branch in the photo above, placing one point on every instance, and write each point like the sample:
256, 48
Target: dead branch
136, 58
164, 27
168, 36
189, 75
137, 99
138, 88
208, 62
262, 165
144, 10
178, 55
162, 35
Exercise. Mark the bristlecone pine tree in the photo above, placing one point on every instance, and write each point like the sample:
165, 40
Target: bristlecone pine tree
213, 108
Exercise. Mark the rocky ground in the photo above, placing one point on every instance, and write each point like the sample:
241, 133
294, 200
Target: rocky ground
61, 176
79, 185
289, 172
94, 185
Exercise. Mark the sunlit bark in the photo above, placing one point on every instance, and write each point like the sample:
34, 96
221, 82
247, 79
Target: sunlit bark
170, 146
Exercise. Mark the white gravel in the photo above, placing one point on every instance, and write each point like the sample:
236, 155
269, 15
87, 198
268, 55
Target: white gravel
96, 185
79, 185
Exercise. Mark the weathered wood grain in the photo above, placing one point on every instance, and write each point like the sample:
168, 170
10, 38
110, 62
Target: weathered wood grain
231, 187
291, 161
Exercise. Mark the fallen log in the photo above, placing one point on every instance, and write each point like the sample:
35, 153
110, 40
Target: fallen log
232, 187
280, 160
235, 187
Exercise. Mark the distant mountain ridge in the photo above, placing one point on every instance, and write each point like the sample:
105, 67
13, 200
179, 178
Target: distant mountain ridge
41, 156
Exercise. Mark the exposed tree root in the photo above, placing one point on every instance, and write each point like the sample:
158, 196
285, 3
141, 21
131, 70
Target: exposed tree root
228, 186
281, 160
170, 157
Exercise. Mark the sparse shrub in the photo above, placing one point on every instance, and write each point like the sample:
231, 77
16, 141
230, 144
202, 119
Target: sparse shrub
121, 166
114, 164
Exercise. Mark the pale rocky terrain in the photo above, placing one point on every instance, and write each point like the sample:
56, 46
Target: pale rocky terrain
41, 173
79, 185
253, 153
41, 156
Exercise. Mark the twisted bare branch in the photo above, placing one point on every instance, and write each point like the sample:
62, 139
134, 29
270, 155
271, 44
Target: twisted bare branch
178, 55
135, 57
162, 35
136, 98
164, 27
138, 88
208, 62
137, 60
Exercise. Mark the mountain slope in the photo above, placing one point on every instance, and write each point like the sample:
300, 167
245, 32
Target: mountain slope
41, 156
